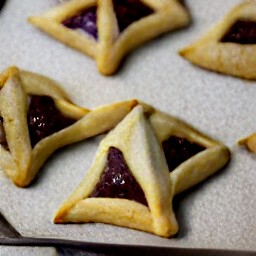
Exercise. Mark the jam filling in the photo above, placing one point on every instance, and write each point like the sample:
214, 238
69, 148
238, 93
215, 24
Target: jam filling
129, 11
183, 3
117, 180
86, 21
178, 150
44, 118
241, 32
3, 140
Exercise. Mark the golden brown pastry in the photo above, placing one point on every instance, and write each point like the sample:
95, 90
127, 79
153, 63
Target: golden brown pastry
129, 183
249, 142
37, 118
230, 46
107, 30
191, 155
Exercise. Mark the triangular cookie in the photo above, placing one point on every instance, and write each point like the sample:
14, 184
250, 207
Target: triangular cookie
107, 30
191, 156
249, 142
128, 184
230, 46
36, 118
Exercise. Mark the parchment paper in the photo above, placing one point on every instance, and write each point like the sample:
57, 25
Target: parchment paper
219, 213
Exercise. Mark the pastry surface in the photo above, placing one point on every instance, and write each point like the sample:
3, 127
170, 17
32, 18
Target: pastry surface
37, 118
230, 46
191, 155
249, 142
107, 30
151, 211
130, 183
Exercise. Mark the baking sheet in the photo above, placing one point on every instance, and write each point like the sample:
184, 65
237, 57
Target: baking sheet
220, 213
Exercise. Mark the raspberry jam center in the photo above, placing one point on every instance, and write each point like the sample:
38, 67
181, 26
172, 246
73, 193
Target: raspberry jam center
86, 21
3, 140
178, 150
44, 118
117, 180
129, 11
241, 32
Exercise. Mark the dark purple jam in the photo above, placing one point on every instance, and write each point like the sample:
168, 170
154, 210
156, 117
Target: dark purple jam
44, 118
87, 21
3, 140
129, 11
241, 32
183, 3
178, 150
117, 180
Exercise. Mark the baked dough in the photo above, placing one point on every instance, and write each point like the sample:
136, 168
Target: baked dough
249, 142
214, 155
21, 160
139, 137
214, 52
136, 140
111, 46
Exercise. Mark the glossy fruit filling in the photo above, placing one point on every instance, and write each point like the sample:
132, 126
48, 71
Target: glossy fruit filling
3, 140
117, 180
241, 32
129, 11
86, 21
44, 118
177, 150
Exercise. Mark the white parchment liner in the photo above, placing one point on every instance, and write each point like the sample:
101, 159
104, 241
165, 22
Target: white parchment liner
221, 212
